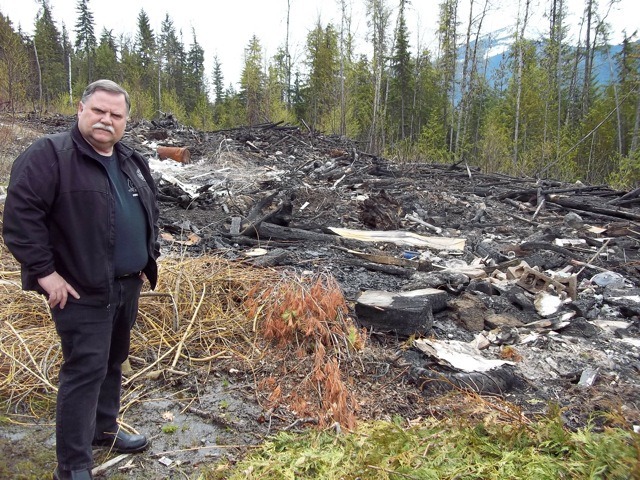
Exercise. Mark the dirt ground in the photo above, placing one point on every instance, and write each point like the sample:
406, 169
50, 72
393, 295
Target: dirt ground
215, 413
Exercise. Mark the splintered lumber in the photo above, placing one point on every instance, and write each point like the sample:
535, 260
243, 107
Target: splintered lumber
383, 259
404, 313
401, 238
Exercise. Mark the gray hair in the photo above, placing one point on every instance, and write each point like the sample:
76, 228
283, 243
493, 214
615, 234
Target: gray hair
107, 86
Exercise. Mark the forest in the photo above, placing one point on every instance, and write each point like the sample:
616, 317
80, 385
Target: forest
543, 112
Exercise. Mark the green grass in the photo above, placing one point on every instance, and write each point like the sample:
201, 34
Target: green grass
445, 449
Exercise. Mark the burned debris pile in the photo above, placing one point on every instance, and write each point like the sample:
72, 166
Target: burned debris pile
520, 287
538, 275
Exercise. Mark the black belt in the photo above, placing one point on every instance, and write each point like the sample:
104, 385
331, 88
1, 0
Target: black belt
128, 275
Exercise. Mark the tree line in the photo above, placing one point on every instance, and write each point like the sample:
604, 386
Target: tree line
542, 113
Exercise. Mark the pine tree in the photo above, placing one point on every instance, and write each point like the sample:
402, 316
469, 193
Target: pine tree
15, 68
359, 105
195, 92
106, 65
50, 58
85, 42
218, 80
172, 58
252, 82
321, 95
145, 49
401, 72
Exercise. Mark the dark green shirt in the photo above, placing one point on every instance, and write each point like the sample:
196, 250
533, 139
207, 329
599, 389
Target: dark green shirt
130, 252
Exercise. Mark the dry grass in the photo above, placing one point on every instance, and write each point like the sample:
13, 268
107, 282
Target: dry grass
205, 311
14, 138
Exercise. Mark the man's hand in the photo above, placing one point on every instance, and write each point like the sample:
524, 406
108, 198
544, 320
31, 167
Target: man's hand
58, 289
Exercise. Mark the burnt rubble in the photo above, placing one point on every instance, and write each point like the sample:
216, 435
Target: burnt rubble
539, 274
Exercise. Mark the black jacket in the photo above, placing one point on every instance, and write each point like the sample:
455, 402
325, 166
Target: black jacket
59, 214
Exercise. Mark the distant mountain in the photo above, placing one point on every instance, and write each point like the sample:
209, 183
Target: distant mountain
494, 48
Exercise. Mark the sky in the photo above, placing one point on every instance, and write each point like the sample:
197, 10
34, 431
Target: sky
223, 28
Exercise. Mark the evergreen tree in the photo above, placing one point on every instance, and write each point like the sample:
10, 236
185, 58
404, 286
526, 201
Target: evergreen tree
275, 107
143, 104
172, 57
322, 95
429, 103
252, 82
50, 58
401, 74
15, 67
195, 92
107, 65
145, 49
85, 42
218, 80
359, 104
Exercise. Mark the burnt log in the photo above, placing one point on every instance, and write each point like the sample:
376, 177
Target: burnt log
497, 381
267, 230
628, 197
377, 267
582, 205
403, 313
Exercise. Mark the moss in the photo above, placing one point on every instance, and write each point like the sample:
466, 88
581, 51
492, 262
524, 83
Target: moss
26, 459
445, 449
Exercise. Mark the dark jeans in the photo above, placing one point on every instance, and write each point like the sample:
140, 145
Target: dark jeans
95, 341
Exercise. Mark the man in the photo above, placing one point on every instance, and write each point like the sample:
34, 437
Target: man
81, 218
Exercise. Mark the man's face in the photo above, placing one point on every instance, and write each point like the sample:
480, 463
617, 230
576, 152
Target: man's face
102, 120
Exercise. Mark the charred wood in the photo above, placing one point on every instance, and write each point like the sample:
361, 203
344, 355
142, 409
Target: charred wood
582, 205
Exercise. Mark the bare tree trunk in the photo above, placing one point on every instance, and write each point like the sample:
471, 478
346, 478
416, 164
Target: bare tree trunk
70, 83
379, 18
464, 82
472, 84
520, 46
159, 83
636, 130
345, 23
614, 83
588, 60
288, 59
35, 49
416, 85
448, 57
554, 82
558, 33
617, 100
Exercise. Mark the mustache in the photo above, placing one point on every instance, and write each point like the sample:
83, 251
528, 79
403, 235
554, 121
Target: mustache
102, 126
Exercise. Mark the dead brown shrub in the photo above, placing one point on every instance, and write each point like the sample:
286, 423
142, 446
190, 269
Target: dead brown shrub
290, 334
307, 319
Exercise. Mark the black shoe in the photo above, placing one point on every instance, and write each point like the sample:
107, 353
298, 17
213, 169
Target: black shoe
60, 474
122, 442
